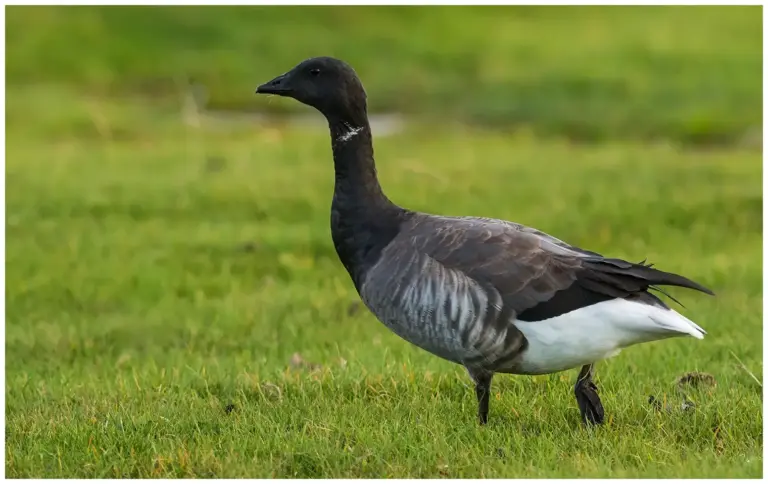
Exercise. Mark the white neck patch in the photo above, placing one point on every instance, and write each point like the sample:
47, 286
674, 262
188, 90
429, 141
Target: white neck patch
352, 132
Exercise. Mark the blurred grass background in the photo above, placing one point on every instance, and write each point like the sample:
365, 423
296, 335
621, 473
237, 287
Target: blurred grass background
691, 74
171, 285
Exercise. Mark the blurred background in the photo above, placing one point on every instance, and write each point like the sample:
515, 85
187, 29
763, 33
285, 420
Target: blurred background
690, 74
174, 304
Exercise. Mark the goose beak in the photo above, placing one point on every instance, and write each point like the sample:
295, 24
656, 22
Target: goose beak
278, 85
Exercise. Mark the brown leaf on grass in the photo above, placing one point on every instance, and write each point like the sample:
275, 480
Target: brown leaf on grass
696, 379
719, 446
271, 391
297, 361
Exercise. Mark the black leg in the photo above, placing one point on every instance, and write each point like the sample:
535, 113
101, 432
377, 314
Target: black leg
482, 380
587, 398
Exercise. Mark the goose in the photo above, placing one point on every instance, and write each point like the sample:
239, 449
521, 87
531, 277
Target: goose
491, 295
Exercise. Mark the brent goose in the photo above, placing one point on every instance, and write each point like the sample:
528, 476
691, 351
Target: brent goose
492, 295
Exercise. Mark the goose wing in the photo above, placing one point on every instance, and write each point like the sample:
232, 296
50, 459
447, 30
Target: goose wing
537, 276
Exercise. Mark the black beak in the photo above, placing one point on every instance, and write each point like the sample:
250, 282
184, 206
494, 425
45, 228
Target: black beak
278, 86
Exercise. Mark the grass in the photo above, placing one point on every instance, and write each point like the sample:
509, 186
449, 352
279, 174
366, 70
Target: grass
160, 278
691, 74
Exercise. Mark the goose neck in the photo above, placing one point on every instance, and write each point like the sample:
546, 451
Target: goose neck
356, 177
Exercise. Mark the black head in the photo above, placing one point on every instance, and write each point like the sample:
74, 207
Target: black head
327, 84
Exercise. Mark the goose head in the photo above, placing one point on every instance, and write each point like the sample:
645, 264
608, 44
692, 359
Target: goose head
329, 85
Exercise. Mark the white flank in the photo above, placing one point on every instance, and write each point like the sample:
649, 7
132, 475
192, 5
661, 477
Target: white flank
596, 332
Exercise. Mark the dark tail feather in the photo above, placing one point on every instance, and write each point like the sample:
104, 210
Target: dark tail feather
646, 273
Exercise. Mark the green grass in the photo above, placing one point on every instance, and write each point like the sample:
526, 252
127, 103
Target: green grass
159, 273
692, 74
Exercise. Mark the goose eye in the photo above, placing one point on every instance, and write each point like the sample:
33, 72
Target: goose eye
314, 72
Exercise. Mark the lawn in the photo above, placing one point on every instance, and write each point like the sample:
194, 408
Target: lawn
174, 304
175, 307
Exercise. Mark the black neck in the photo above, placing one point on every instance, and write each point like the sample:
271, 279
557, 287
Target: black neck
363, 219
357, 185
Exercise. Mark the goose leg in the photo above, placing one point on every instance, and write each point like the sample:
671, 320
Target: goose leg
587, 398
482, 379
